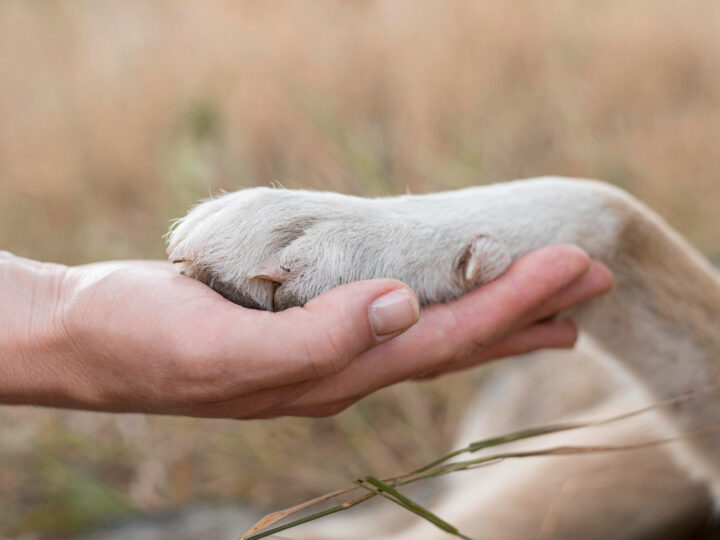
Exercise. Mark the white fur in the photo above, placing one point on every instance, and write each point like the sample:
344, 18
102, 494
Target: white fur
328, 239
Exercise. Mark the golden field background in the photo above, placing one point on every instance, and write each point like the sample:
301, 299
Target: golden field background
116, 116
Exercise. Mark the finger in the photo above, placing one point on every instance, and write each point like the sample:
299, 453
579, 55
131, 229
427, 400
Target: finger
597, 281
494, 309
447, 331
548, 335
322, 337
528, 336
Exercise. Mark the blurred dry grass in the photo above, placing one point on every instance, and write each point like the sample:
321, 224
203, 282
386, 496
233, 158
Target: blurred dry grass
118, 115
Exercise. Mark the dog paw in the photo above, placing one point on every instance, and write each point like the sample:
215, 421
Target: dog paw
273, 249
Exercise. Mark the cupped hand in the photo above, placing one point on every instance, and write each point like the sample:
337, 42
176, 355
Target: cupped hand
136, 336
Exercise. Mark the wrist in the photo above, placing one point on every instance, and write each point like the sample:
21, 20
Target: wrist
34, 346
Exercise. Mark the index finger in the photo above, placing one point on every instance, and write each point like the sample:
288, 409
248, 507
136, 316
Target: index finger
447, 330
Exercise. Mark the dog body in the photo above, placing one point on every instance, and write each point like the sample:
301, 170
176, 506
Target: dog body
655, 337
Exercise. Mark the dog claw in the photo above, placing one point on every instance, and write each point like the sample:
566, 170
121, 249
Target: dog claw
269, 270
472, 268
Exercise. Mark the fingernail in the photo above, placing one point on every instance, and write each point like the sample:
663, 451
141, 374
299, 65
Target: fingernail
393, 312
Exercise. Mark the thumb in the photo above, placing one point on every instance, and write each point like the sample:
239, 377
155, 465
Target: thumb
331, 330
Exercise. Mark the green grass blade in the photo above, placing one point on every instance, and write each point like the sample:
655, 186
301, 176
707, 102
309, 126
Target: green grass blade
312, 517
412, 506
497, 441
546, 430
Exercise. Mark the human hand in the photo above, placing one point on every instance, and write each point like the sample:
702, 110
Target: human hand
135, 336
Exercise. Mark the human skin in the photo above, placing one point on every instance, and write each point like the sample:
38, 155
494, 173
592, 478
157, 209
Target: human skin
135, 336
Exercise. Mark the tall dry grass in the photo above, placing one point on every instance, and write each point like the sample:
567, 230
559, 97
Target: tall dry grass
115, 116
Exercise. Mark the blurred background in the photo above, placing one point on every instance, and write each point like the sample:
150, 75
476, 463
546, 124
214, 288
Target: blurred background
116, 116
